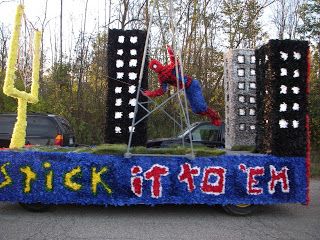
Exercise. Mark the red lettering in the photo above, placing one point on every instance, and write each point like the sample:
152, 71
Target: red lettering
218, 187
154, 174
136, 181
186, 175
252, 173
281, 176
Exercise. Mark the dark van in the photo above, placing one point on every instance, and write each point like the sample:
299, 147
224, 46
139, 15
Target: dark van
42, 129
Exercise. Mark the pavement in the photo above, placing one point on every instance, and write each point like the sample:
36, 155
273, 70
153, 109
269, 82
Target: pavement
285, 221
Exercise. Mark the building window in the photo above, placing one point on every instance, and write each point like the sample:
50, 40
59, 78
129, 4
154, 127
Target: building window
242, 112
241, 59
242, 98
252, 100
252, 112
252, 85
241, 72
252, 72
252, 59
241, 85
242, 126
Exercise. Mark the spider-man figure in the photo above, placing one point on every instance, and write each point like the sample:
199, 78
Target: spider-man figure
167, 75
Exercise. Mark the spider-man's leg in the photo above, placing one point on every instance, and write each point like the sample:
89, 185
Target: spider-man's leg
199, 105
213, 115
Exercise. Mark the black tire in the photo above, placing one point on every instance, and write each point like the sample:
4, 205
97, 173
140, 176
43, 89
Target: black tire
35, 207
241, 209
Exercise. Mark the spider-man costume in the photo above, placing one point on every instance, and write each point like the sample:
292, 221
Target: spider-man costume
167, 75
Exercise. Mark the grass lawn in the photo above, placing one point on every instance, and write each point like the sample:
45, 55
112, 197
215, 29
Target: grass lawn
120, 149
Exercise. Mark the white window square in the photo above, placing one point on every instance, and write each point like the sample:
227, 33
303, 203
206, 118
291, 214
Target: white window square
283, 107
283, 123
283, 72
242, 98
296, 55
119, 63
133, 62
296, 73
252, 112
284, 55
295, 90
241, 72
295, 124
241, 59
118, 90
252, 127
120, 75
252, 100
133, 52
252, 59
131, 129
121, 39
132, 89
242, 111
241, 85
118, 102
252, 72
242, 126
132, 102
295, 107
132, 76
118, 115
131, 115
134, 39
283, 89
252, 85
117, 130
120, 52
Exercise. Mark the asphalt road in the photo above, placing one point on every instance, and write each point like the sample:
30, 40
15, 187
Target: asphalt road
288, 221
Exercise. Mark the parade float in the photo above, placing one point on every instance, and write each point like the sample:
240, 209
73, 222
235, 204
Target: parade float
277, 119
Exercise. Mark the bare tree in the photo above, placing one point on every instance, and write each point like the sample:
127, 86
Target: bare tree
61, 14
5, 1
43, 25
83, 49
4, 38
286, 17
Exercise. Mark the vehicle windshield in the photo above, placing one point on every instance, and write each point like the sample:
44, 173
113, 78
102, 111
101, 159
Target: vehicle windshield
186, 130
203, 132
206, 132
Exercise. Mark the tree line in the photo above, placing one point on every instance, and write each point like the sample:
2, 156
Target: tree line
74, 80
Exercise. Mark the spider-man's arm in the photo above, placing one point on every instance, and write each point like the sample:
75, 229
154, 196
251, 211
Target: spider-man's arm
158, 92
171, 55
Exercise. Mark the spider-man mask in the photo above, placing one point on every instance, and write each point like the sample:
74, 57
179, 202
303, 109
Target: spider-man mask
156, 66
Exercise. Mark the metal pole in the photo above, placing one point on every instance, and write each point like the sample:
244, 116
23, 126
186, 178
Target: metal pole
185, 111
127, 154
186, 105
157, 107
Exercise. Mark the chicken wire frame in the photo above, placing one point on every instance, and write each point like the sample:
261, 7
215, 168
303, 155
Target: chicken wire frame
178, 93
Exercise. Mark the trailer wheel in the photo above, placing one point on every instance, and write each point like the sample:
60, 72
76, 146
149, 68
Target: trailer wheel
35, 207
240, 209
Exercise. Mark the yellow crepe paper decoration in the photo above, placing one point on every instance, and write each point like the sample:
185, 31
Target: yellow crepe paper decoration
68, 182
19, 131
